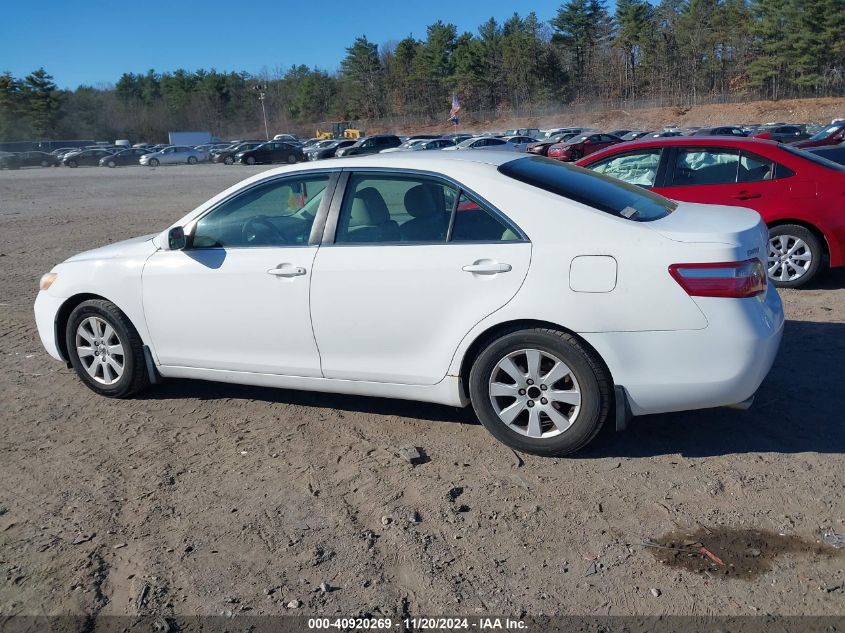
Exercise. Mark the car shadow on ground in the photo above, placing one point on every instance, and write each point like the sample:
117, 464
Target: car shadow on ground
799, 408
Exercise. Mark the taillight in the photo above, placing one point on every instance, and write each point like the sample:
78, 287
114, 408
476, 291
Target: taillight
724, 279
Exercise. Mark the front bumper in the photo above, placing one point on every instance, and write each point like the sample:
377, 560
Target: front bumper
46, 310
720, 365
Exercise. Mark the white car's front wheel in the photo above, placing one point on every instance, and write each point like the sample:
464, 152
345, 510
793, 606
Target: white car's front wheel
540, 391
105, 349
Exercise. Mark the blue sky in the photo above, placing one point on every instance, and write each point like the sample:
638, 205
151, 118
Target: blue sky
94, 41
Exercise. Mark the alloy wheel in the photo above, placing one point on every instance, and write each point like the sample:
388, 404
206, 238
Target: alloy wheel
534, 393
100, 350
789, 258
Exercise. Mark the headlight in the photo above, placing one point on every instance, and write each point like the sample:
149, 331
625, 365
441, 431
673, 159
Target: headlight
47, 280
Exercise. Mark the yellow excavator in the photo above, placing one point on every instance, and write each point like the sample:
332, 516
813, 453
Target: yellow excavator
341, 129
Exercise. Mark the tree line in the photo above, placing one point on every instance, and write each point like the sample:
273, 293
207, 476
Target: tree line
677, 51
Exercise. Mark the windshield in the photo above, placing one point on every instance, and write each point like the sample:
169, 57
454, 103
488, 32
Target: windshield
823, 134
590, 188
812, 156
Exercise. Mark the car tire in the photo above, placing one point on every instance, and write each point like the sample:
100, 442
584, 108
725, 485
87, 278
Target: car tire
95, 330
153, 162
538, 418
291, 159
250, 160
575, 155
192, 160
111, 164
72, 163
229, 160
795, 255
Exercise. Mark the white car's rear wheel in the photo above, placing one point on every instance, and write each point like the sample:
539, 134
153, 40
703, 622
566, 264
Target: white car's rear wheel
192, 160
540, 391
154, 162
105, 349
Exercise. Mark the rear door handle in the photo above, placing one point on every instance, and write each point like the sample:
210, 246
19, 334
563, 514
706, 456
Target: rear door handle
747, 195
286, 270
486, 268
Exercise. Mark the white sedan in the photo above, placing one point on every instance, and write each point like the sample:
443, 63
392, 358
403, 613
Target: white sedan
544, 295
174, 155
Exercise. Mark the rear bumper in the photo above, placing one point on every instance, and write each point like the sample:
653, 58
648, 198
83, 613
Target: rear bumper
720, 365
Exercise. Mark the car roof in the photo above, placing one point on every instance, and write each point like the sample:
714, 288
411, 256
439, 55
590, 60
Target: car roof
424, 161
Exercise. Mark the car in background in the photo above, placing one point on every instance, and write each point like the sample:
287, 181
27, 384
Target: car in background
832, 134
558, 131
406, 145
724, 130
286, 137
226, 155
799, 195
619, 133
59, 152
327, 148
633, 135
271, 152
580, 146
421, 144
88, 157
541, 147
782, 133
569, 294
131, 156
835, 153
483, 142
174, 155
520, 143
533, 132
28, 159
370, 145
459, 137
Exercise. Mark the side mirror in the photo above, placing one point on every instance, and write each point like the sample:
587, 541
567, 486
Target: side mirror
176, 239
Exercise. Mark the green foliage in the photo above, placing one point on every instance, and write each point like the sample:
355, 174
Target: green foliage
675, 51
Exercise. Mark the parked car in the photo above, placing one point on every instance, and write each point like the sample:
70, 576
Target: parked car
174, 155
835, 153
833, 134
619, 133
88, 157
483, 142
271, 152
406, 145
725, 130
520, 143
633, 135
286, 137
421, 144
579, 146
541, 147
533, 132
28, 159
370, 145
327, 149
125, 157
783, 133
800, 196
227, 154
650, 309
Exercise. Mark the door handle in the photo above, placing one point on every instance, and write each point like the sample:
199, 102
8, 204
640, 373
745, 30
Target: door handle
747, 195
286, 270
483, 267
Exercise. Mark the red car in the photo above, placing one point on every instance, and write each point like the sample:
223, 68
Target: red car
799, 195
579, 146
832, 134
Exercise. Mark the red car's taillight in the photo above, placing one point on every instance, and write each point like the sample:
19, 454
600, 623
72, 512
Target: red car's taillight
738, 280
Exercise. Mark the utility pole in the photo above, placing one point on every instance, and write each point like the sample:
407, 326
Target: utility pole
261, 89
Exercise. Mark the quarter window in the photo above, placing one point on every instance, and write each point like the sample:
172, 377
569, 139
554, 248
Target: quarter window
275, 213
475, 223
754, 168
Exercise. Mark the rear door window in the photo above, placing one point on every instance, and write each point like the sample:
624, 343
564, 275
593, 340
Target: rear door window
704, 166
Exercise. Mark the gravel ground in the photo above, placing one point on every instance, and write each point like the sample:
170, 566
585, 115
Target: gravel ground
202, 498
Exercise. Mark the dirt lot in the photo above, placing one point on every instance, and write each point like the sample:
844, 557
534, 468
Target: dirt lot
201, 498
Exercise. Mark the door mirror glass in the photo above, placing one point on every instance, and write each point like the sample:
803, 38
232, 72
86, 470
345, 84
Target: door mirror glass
176, 238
